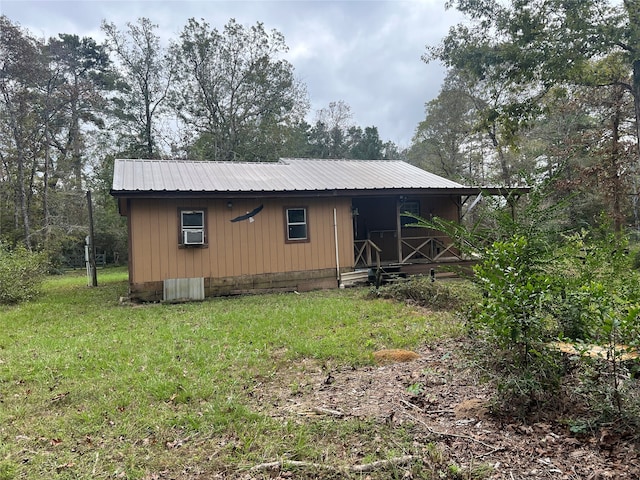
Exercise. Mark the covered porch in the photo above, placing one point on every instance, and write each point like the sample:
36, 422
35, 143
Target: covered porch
383, 236
387, 241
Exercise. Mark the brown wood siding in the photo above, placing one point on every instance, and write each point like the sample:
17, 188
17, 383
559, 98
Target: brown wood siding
442, 206
445, 207
235, 249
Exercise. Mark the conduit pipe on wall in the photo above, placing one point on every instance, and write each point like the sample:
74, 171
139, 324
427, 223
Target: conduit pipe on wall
335, 234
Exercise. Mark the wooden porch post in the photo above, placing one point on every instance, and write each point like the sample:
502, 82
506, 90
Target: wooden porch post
512, 200
399, 228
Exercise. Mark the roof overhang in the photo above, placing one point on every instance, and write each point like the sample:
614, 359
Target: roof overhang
493, 191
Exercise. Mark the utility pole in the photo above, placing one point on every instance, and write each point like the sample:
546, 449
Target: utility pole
92, 247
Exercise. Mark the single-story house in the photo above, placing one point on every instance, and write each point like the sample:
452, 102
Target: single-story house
200, 229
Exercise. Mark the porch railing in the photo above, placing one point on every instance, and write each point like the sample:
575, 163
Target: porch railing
364, 250
430, 249
420, 249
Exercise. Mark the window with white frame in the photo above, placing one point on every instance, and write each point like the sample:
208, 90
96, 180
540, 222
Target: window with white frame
192, 227
297, 226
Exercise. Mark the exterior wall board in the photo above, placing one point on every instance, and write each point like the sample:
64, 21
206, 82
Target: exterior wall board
234, 249
164, 240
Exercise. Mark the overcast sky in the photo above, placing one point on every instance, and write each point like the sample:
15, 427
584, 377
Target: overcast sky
366, 53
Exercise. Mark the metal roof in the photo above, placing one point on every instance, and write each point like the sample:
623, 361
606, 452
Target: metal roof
287, 175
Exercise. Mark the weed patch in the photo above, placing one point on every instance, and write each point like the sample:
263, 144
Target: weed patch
444, 295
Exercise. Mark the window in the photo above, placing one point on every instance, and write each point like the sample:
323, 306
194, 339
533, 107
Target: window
409, 206
192, 227
297, 228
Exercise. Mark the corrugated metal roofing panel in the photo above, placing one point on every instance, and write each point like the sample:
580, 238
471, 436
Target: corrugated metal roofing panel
288, 175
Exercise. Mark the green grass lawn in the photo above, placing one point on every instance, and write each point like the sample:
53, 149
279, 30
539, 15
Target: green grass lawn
90, 388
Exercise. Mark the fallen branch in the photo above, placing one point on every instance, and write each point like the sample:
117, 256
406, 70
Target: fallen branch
430, 412
453, 435
370, 467
439, 412
289, 463
328, 411
367, 467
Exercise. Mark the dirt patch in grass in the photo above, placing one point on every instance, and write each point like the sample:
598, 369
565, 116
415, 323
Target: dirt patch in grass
442, 402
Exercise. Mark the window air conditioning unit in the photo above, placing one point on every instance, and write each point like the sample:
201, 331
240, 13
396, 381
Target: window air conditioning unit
193, 237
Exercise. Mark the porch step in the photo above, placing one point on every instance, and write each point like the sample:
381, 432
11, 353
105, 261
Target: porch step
357, 277
388, 274
392, 276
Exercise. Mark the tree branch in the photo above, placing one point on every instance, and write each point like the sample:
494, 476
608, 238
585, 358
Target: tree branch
453, 435
367, 467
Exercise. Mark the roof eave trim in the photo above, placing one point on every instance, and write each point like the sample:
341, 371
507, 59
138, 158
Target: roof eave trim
328, 192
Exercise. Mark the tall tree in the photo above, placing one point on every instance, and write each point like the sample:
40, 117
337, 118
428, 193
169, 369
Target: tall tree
327, 142
49, 109
366, 145
296, 141
465, 135
391, 151
529, 46
235, 91
334, 135
147, 77
85, 67
329, 136
606, 149
443, 140
337, 115
21, 69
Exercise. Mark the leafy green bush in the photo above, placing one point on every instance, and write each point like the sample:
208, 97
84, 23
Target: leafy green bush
21, 274
515, 291
65, 250
600, 304
540, 283
598, 290
512, 324
579, 288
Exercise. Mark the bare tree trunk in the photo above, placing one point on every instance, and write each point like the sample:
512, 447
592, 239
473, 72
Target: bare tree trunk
147, 126
21, 211
45, 183
74, 130
633, 11
22, 199
614, 170
505, 170
76, 149
635, 92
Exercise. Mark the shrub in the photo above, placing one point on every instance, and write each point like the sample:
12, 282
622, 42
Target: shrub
21, 274
539, 283
512, 324
635, 262
516, 291
597, 289
579, 288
